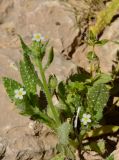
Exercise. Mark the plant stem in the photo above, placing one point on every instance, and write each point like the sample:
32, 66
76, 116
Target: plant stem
49, 98
92, 65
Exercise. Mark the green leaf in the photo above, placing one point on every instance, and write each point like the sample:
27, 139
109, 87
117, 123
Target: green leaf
63, 133
61, 90
92, 56
44, 118
29, 75
103, 78
107, 129
52, 83
39, 50
59, 156
98, 146
26, 49
80, 77
111, 157
102, 42
25, 107
50, 58
97, 98
23, 104
43, 50
10, 86
50, 114
76, 86
91, 38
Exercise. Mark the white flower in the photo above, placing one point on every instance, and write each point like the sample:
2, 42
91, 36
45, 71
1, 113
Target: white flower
76, 118
19, 93
38, 37
86, 119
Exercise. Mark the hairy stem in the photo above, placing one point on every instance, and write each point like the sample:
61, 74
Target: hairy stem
49, 98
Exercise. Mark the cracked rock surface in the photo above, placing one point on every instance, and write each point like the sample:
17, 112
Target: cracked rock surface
20, 138
25, 17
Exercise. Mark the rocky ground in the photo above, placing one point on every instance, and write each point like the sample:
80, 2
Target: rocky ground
20, 138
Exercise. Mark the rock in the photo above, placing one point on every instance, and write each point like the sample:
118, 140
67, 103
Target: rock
108, 52
47, 17
28, 155
22, 144
54, 21
116, 152
26, 17
3, 145
91, 155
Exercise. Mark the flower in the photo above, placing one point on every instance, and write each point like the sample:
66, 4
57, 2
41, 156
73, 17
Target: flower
86, 119
19, 93
76, 118
38, 37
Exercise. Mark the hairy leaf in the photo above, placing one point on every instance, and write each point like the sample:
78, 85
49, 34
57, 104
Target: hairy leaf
10, 86
29, 75
50, 58
102, 78
23, 104
63, 133
44, 118
39, 50
26, 49
52, 83
97, 98
91, 56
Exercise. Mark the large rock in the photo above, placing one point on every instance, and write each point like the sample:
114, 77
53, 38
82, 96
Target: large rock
53, 20
26, 17
106, 53
22, 143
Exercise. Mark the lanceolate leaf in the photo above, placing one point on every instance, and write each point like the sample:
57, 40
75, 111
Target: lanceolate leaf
107, 129
43, 50
103, 78
44, 118
28, 74
102, 42
26, 49
50, 58
22, 104
10, 86
111, 157
97, 99
63, 133
52, 83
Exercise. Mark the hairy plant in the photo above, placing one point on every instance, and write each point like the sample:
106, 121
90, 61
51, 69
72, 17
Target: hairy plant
82, 98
